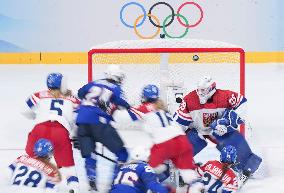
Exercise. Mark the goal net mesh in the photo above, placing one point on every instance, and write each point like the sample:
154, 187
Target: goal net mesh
182, 62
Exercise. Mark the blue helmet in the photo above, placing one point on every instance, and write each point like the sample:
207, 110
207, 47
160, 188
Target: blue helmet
43, 148
228, 154
150, 93
53, 80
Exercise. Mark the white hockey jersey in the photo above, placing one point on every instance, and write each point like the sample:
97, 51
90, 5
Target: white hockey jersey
160, 126
157, 124
33, 172
42, 106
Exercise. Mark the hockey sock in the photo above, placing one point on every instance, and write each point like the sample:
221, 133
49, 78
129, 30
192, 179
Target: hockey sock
90, 165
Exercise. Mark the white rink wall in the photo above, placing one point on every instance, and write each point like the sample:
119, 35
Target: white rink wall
264, 90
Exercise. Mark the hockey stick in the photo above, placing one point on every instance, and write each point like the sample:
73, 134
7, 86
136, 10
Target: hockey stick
107, 158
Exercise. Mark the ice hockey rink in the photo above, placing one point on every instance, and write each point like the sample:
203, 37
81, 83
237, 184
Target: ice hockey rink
264, 90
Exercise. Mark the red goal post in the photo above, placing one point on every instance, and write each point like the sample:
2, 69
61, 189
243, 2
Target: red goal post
139, 61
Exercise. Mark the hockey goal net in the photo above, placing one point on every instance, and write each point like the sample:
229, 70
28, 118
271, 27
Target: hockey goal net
174, 65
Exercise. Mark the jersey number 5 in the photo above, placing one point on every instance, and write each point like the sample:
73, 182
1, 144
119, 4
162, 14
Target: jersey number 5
55, 106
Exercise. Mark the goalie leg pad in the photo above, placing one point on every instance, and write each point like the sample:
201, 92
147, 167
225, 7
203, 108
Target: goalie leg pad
252, 163
245, 157
197, 141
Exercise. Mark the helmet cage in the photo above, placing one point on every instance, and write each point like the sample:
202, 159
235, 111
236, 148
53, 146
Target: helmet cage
205, 91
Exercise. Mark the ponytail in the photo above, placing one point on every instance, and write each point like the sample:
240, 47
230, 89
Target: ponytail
160, 105
225, 168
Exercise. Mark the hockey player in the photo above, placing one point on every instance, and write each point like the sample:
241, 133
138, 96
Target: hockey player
36, 171
137, 176
215, 114
99, 99
170, 142
53, 112
150, 94
218, 176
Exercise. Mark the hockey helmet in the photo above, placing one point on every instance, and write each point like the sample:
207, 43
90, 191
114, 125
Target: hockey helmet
56, 81
150, 93
115, 73
43, 148
228, 154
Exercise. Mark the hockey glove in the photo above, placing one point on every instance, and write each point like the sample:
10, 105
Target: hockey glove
228, 123
233, 117
75, 143
219, 126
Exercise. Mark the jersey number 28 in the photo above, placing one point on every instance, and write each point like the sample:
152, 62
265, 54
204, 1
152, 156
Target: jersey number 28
28, 178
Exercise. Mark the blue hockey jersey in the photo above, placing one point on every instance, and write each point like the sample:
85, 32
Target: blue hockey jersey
98, 101
137, 178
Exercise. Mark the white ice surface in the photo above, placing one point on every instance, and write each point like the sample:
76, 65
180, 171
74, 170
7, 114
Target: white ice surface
264, 90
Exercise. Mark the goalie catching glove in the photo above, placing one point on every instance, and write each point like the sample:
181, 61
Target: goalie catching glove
229, 122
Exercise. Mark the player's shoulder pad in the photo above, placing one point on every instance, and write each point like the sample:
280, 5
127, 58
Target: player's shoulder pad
192, 101
190, 95
41, 94
148, 168
211, 163
73, 99
107, 84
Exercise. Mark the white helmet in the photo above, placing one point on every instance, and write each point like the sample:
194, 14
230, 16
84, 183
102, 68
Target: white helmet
140, 153
115, 73
206, 87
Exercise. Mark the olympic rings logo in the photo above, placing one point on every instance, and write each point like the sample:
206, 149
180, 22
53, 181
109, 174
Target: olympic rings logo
139, 21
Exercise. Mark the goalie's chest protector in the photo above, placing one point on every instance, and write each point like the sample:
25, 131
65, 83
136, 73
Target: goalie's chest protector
203, 115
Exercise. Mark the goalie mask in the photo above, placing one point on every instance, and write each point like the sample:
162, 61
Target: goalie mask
206, 87
114, 73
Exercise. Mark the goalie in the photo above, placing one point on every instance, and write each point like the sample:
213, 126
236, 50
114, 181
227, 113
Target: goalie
215, 114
